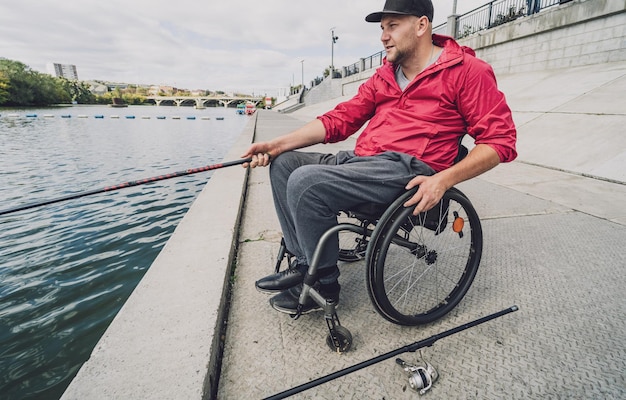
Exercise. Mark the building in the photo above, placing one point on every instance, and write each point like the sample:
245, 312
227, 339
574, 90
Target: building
67, 71
97, 88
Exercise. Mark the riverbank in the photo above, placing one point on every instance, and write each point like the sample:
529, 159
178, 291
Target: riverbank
165, 341
552, 246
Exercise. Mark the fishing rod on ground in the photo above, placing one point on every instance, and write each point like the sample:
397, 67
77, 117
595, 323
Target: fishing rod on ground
405, 349
126, 185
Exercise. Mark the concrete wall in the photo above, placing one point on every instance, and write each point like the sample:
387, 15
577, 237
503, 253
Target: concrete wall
578, 33
327, 89
334, 88
350, 85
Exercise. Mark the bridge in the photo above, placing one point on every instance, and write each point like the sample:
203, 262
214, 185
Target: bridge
206, 101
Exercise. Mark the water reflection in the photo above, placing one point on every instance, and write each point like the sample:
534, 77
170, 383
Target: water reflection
67, 268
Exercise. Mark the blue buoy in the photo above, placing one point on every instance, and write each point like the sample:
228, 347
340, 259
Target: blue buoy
130, 117
66, 116
31, 115
160, 117
191, 117
99, 116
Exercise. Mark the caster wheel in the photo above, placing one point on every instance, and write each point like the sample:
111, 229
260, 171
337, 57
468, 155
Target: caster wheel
343, 340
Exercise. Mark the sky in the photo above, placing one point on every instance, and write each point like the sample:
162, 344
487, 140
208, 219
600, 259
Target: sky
244, 46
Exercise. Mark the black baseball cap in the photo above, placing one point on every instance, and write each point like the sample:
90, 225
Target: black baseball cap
418, 8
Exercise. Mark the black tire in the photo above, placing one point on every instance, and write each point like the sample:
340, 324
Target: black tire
342, 341
418, 267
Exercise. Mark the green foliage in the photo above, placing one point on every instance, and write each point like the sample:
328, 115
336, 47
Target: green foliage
511, 15
77, 91
4, 88
127, 97
467, 30
20, 86
134, 98
25, 87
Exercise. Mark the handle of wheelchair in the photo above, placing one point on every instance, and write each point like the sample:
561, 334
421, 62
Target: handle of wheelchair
411, 347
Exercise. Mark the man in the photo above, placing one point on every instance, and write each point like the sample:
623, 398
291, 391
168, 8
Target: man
533, 6
426, 96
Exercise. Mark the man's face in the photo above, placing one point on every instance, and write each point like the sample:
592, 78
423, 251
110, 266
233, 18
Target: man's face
399, 36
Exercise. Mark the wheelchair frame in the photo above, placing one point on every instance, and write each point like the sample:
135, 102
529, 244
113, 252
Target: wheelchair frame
418, 268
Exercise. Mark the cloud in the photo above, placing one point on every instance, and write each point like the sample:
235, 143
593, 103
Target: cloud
218, 45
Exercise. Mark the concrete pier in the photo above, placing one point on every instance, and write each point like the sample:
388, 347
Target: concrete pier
554, 229
554, 240
553, 246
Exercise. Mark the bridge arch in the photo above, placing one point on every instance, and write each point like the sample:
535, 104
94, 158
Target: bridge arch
186, 102
222, 100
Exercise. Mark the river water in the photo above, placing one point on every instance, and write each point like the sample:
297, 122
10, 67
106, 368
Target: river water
67, 268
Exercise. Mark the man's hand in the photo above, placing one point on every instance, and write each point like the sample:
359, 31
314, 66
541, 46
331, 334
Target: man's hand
431, 188
260, 154
430, 192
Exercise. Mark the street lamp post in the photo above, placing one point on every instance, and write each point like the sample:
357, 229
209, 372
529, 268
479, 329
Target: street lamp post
302, 62
332, 51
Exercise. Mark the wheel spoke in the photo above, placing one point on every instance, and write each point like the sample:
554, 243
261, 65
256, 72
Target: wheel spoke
422, 269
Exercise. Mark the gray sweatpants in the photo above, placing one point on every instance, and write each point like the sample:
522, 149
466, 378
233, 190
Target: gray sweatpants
310, 189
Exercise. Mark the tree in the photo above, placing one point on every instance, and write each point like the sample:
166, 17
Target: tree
77, 91
20, 89
26, 87
4, 88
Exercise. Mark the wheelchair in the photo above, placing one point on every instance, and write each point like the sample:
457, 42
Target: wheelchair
418, 267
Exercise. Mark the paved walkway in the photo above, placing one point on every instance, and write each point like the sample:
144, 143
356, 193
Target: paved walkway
554, 246
557, 255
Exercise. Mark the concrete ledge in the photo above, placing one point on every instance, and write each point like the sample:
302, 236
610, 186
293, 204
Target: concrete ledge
166, 340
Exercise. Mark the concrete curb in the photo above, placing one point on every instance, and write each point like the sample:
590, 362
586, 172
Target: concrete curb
166, 341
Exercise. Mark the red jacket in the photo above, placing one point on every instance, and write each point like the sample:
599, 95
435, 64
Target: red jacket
458, 94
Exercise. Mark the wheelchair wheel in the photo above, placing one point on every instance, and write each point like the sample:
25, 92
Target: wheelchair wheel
352, 245
341, 341
420, 267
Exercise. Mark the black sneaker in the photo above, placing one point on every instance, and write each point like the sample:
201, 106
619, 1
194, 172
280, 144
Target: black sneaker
287, 301
282, 280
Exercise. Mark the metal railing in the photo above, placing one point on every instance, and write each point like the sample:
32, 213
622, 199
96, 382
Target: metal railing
441, 29
373, 61
496, 13
492, 14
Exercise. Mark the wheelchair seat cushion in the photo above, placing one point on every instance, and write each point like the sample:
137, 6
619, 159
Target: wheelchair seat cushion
434, 219
368, 211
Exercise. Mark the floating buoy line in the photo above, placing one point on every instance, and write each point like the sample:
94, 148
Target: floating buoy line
101, 116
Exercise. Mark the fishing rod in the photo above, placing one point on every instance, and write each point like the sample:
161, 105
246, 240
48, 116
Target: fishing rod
405, 349
127, 185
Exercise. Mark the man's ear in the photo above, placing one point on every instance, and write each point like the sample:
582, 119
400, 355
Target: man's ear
422, 26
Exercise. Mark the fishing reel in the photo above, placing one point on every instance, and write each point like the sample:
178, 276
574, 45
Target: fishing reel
421, 378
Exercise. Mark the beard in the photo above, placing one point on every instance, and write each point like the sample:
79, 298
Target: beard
397, 56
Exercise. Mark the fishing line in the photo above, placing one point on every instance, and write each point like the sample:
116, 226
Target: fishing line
126, 185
